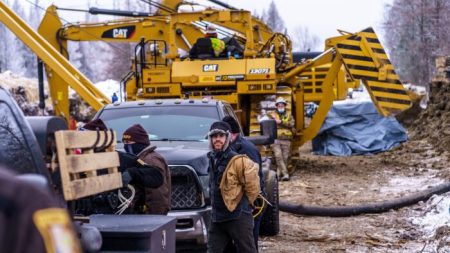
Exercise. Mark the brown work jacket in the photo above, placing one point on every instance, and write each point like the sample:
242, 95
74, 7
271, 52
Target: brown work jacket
240, 177
157, 201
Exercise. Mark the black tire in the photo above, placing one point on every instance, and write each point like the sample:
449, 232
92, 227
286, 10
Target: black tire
270, 223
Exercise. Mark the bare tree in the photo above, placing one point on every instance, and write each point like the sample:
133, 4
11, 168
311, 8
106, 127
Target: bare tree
273, 18
303, 40
416, 32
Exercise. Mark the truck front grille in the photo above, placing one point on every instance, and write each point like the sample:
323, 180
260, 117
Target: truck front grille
187, 192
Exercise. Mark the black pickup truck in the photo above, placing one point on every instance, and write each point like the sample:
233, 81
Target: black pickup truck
178, 127
26, 148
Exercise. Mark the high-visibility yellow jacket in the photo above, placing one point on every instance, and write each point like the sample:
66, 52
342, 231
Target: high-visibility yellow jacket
218, 46
284, 129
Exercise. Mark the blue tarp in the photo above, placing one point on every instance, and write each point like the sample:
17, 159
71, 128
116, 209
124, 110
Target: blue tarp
355, 129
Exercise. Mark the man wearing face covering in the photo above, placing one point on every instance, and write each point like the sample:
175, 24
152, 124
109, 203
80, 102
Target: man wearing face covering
149, 200
282, 146
234, 186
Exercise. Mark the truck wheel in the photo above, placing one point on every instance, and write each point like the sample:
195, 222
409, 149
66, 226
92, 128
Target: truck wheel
270, 224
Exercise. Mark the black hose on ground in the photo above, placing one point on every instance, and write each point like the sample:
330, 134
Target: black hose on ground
377, 207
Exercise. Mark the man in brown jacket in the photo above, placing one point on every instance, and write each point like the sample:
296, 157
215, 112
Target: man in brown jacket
234, 186
148, 200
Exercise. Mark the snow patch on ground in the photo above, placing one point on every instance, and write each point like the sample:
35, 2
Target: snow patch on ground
362, 95
9, 80
109, 87
437, 214
358, 96
398, 184
25, 92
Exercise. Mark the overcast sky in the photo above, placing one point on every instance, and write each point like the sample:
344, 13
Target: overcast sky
322, 17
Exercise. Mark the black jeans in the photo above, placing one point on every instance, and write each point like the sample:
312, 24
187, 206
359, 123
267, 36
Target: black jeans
257, 222
239, 230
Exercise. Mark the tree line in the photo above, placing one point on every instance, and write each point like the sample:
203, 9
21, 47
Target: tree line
416, 32
97, 60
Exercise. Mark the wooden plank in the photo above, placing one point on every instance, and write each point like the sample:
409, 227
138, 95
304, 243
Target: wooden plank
93, 185
92, 161
85, 139
71, 164
89, 173
61, 151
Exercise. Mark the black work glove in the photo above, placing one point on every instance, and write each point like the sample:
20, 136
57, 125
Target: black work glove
147, 176
126, 178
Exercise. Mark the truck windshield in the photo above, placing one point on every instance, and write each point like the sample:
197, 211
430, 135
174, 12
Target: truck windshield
168, 123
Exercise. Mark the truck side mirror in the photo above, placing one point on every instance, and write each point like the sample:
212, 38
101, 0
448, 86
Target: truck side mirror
268, 130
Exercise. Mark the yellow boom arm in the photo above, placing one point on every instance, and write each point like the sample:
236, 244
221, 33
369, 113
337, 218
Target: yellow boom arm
121, 30
59, 66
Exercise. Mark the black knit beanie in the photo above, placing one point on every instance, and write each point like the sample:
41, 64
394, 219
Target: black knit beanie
234, 125
96, 124
137, 134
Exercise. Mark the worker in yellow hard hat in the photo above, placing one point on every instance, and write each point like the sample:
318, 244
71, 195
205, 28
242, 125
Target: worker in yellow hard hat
282, 145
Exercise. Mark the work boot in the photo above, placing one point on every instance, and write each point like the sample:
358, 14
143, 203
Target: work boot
285, 178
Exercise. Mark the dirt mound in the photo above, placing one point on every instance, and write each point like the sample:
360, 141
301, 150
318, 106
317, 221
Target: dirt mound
25, 92
434, 122
407, 117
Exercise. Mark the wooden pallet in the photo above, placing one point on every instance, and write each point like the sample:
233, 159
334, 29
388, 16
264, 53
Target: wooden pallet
79, 164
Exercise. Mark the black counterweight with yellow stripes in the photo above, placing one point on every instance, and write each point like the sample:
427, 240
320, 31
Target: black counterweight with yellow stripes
365, 59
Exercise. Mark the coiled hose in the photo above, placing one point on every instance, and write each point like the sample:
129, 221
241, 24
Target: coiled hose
377, 207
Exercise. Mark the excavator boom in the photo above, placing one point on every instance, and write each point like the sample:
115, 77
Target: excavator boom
57, 64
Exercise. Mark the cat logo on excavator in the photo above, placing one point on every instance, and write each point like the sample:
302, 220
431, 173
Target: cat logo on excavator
210, 68
124, 32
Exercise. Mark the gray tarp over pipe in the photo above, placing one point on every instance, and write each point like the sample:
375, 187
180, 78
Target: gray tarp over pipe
355, 129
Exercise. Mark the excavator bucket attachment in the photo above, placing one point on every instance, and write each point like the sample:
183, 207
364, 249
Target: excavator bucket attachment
365, 59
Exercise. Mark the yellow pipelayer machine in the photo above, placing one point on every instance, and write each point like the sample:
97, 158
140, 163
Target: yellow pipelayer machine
264, 67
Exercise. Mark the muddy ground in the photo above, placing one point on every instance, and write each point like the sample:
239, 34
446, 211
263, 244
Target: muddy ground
326, 180
416, 165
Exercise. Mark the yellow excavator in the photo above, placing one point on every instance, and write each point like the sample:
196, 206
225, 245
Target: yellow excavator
59, 68
262, 66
